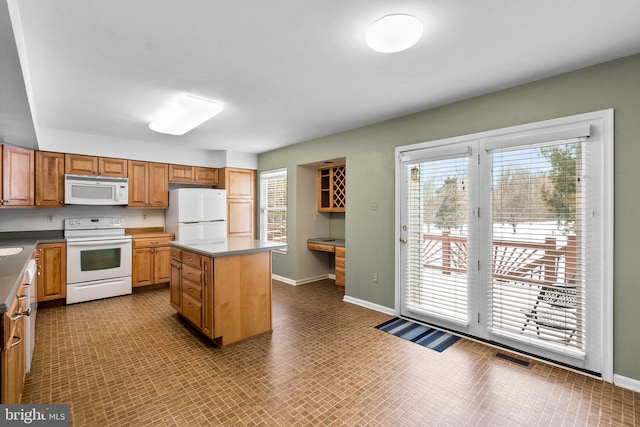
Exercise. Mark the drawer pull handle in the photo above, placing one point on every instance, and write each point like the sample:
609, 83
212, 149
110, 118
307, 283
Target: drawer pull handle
13, 344
22, 298
16, 317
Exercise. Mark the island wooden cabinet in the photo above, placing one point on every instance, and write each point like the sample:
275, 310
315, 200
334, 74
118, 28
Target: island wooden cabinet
148, 184
332, 189
151, 259
240, 185
193, 175
227, 298
51, 260
16, 177
49, 179
175, 285
12, 372
80, 164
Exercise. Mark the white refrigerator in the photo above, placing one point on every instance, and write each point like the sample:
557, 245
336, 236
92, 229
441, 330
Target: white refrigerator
197, 213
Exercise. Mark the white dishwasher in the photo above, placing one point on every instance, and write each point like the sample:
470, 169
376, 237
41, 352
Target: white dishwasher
30, 318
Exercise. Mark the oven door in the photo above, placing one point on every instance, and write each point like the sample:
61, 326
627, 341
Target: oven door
98, 259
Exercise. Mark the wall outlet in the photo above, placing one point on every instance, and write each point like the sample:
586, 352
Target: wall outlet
49, 217
374, 206
375, 277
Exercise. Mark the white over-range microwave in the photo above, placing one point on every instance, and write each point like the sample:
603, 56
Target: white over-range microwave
95, 190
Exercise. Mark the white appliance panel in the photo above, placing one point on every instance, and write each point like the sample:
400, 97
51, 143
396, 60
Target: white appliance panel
98, 289
201, 230
197, 205
100, 259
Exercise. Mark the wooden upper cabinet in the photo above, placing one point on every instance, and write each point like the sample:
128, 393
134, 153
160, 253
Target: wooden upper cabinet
79, 164
148, 184
108, 166
181, 173
206, 175
332, 189
193, 175
17, 176
239, 183
49, 179
158, 185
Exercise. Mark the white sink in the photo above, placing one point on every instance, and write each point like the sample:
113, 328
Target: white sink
13, 250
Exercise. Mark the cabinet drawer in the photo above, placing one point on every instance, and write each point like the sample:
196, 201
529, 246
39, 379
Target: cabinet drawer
175, 254
151, 242
340, 252
340, 262
340, 279
191, 259
192, 310
192, 274
321, 247
192, 289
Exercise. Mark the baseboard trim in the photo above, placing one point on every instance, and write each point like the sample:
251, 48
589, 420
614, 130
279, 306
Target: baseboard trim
301, 281
625, 382
369, 305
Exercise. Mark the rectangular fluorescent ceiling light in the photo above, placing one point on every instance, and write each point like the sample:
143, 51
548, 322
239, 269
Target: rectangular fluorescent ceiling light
183, 114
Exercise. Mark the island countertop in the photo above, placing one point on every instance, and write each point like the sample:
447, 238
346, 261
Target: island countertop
231, 246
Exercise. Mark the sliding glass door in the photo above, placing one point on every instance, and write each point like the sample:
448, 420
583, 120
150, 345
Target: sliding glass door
437, 219
502, 236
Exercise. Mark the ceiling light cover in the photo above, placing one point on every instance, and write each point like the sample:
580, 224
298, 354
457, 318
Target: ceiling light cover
394, 33
183, 114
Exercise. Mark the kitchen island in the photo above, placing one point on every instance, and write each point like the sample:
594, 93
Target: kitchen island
223, 288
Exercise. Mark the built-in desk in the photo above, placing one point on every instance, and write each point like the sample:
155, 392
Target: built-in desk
336, 246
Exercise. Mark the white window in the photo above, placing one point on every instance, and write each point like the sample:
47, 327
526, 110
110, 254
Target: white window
273, 205
507, 236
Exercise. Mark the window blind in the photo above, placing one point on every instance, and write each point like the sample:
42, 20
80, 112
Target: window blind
438, 225
273, 207
536, 253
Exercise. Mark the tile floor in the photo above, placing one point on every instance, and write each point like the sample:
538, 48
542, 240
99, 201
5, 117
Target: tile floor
129, 361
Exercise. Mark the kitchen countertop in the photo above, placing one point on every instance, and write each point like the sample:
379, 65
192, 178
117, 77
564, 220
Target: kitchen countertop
326, 241
231, 246
13, 266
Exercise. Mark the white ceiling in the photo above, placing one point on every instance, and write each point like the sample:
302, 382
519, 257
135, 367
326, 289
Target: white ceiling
288, 71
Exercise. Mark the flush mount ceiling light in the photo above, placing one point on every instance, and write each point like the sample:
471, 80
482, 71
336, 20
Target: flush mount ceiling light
183, 114
394, 33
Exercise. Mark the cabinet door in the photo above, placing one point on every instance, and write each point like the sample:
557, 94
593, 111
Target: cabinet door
161, 265
158, 185
181, 173
79, 164
13, 364
206, 175
241, 217
175, 285
108, 166
138, 183
240, 183
52, 267
49, 179
142, 267
207, 297
17, 176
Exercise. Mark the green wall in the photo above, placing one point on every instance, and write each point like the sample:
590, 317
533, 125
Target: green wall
370, 178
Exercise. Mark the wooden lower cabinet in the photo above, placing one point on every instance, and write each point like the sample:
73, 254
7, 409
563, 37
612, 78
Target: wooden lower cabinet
51, 260
151, 259
340, 266
227, 298
12, 357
